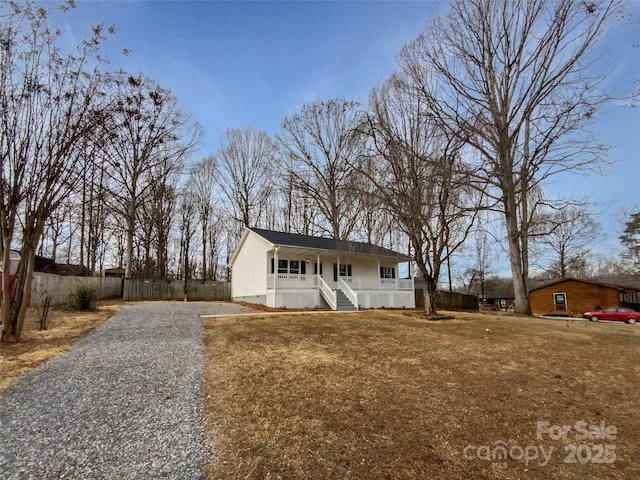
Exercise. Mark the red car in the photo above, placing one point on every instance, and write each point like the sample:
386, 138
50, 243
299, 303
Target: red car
618, 314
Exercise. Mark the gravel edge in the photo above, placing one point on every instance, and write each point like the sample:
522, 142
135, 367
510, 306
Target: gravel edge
126, 402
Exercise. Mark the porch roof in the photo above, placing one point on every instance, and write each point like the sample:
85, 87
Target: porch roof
328, 244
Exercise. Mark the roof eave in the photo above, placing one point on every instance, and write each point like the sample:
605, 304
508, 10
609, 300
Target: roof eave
399, 256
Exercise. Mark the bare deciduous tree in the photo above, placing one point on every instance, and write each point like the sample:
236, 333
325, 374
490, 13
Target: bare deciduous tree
93, 212
320, 145
298, 211
247, 158
216, 233
514, 80
478, 273
566, 235
154, 220
417, 175
203, 183
188, 225
146, 138
50, 100
163, 196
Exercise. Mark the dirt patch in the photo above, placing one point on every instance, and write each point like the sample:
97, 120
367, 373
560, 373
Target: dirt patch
389, 394
265, 308
64, 329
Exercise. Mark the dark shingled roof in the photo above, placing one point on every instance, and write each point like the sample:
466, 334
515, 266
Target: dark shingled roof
621, 288
45, 265
322, 243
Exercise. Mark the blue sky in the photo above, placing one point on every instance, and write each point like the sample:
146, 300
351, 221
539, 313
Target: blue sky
235, 64
242, 63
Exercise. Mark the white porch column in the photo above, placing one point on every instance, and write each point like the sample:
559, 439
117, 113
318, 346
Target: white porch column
397, 275
413, 276
379, 276
275, 275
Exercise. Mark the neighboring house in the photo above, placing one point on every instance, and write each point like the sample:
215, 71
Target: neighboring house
572, 297
300, 271
113, 272
40, 264
68, 269
45, 265
14, 260
498, 300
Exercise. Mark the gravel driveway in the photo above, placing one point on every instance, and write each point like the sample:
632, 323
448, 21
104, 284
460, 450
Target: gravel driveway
125, 403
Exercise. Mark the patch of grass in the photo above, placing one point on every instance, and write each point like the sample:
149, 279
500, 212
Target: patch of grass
382, 394
64, 328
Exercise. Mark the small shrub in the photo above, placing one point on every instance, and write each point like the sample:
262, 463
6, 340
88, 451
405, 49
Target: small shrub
84, 298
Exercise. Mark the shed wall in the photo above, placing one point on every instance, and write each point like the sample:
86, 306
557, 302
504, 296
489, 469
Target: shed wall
581, 297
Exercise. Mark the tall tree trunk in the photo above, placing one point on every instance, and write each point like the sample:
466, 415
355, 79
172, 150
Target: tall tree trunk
6, 285
26, 292
132, 203
205, 226
83, 214
129, 246
429, 291
515, 257
34, 226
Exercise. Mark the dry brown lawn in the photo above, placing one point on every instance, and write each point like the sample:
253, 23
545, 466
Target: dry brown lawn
64, 329
392, 395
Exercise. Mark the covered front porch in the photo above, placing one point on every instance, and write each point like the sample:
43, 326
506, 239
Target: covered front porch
297, 281
303, 278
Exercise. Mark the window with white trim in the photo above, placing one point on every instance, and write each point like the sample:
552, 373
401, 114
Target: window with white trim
293, 267
345, 270
387, 272
283, 266
560, 301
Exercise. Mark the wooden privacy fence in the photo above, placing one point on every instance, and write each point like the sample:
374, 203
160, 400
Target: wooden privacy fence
60, 287
140, 289
449, 300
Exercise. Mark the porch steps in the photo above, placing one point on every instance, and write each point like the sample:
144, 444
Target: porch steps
344, 304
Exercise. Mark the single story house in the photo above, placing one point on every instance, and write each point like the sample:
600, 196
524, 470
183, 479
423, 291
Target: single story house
571, 297
300, 271
498, 300
70, 269
113, 272
41, 264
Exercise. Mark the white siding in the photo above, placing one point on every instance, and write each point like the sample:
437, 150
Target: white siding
365, 267
249, 272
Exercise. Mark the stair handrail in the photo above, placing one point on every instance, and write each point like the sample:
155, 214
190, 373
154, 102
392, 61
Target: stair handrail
351, 294
327, 293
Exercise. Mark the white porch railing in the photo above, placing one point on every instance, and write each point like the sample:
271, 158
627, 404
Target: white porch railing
328, 294
346, 289
289, 280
